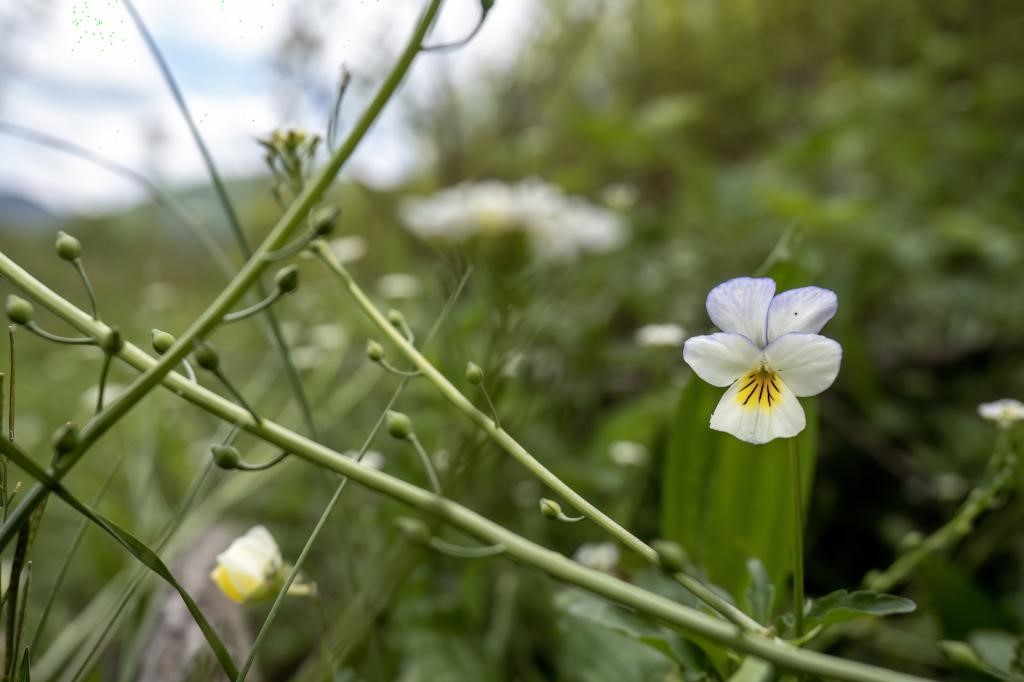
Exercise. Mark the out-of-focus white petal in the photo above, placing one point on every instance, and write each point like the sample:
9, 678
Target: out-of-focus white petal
754, 420
660, 335
721, 358
1004, 412
808, 363
801, 310
245, 567
741, 305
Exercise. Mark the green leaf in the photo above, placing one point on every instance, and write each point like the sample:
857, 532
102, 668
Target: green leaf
760, 594
726, 501
841, 606
136, 547
752, 670
25, 674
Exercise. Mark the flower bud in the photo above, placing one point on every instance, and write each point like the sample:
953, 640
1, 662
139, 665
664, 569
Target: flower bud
399, 425
671, 555
65, 438
550, 508
68, 248
206, 357
474, 374
162, 341
414, 529
324, 220
960, 654
19, 310
112, 341
287, 279
396, 318
909, 541
374, 351
225, 456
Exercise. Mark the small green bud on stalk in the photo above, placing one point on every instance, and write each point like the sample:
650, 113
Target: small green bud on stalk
671, 555
112, 341
206, 357
396, 318
399, 425
65, 439
374, 351
225, 456
909, 541
19, 311
474, 374
162, 341
550, 508
67, 247
414, 529
324, 220
287, 279
960, 654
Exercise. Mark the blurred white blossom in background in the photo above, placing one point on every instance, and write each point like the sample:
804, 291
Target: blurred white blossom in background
601, 556
628, 453
661, 336
1004, 412
560, 227
399, 285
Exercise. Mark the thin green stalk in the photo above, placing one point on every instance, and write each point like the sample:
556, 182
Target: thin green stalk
292, 220
526, 552
80, 267
463, 552
229, 211
104, 371
56, 338
428, 466
245, 466
297, 566
517, 451
798, 539
66, 562
253, 309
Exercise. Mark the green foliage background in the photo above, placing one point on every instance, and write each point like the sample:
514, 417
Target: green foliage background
883, 137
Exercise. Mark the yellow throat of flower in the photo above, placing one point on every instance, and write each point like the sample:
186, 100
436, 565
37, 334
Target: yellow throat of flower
760, 389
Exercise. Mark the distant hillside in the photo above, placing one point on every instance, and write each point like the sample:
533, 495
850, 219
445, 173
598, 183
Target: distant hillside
20, 213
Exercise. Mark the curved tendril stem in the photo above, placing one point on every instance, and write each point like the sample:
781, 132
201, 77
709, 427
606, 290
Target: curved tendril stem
257, 307
189, 372
67, 340
245, 466
290, 250
435, 481
441, 47
494, 410
391, 369
88, 287
238, 396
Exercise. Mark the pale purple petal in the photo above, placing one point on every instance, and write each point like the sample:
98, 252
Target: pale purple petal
721, 358
808, 363
741, 305
803, 310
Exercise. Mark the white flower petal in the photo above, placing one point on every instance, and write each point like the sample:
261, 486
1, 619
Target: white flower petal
808, 363
1005, 411
741, 305
759, 420
801, 310
721, 358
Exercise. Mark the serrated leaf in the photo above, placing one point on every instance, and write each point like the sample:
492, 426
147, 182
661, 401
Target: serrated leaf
841, 606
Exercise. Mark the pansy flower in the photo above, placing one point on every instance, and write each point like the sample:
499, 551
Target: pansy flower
768, 353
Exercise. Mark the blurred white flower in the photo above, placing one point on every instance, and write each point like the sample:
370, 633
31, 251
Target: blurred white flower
251, 569
399, 285
372, 458
1003, 412
661, 336
601, 556
620, 195
327, 335
307, 357
628, 453
560, 227
89, 395
768, 353
348, 249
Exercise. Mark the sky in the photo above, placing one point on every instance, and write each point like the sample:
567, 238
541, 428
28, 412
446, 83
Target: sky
79, 70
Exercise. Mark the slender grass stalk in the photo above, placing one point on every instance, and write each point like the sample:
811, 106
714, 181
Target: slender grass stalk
66, 562
161, 196
447, 511
297, 566
517, 451
10, 398
798, 538
291, 221
104, 371
229, 211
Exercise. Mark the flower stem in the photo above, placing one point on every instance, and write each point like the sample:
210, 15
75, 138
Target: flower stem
88, 287
67, 340
435, 482
798, 539
257, 307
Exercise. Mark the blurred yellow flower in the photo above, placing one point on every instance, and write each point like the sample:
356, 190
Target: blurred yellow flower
251, 569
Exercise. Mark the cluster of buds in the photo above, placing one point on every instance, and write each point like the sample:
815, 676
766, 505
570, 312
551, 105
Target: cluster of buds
289, 156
